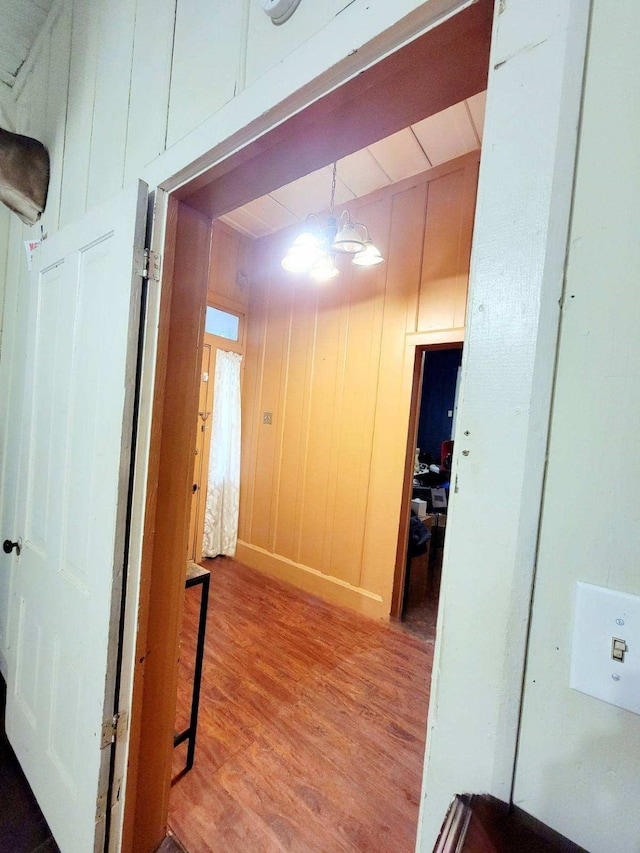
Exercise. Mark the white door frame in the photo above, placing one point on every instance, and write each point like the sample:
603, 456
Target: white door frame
519, 247
156, 221
523, 209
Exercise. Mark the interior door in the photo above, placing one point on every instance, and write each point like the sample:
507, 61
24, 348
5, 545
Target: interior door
77, 420
215, 344
199, 495
14, 321
212, 343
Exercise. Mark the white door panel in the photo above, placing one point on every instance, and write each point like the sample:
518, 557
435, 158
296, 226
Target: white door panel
14, 322
74, 471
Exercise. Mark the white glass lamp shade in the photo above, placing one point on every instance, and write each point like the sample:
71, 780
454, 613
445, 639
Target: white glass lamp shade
348, 240
302, 254
324, 269
369, 257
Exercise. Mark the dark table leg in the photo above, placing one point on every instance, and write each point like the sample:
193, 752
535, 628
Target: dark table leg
189, 733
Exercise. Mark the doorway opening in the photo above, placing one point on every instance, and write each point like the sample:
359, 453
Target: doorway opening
316, 430
215, 487
430, 452
336, 358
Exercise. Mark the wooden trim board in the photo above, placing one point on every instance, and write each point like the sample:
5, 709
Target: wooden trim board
167, 522
411, 84
311, 580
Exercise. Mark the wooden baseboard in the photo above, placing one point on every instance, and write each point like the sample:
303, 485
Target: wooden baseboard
312, 581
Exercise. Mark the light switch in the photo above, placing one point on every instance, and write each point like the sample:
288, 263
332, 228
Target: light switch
618, 648
605, 652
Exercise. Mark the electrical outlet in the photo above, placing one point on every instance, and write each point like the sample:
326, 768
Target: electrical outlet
267, 417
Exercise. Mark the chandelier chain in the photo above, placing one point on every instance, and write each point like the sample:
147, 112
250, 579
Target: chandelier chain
315, 250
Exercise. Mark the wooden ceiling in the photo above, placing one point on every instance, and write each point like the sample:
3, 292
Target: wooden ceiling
419, 106
434, 140
22, 20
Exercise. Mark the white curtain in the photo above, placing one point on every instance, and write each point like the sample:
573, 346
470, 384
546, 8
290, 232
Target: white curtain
223, 488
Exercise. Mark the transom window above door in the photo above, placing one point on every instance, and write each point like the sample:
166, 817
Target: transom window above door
222, 323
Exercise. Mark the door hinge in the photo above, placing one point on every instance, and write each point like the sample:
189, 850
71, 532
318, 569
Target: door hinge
147, 264
112, 727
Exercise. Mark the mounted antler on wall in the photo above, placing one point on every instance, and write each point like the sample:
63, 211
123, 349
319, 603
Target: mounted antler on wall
24, 175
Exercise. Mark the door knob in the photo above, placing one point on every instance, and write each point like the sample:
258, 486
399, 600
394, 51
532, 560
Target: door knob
8, 546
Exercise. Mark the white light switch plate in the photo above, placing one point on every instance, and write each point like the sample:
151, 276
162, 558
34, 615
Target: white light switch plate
600, 615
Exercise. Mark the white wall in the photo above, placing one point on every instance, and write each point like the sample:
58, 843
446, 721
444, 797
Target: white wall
119, 84
579, 759
7, 108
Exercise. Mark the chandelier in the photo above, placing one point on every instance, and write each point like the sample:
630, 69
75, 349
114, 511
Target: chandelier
316, 249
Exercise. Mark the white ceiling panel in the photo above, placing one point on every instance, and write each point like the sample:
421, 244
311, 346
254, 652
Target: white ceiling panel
311, 194
447, 134
246, 223
438, 139
477, 105
362, 173
400, 155
271, 212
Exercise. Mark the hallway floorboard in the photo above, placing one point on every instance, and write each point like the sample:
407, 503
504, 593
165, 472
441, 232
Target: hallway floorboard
312, 724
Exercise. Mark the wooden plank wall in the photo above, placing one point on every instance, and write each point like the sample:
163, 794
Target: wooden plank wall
229, 269
322, 485
109, 87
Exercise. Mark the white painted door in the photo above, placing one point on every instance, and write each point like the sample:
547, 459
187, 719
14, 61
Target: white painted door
82, 334
12, 357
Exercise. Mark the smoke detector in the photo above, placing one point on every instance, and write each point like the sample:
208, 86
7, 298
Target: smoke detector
279, 10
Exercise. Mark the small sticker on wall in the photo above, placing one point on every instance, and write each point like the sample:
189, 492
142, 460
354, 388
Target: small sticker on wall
30, 246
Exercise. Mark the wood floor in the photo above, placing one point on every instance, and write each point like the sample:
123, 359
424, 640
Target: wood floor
312, 724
